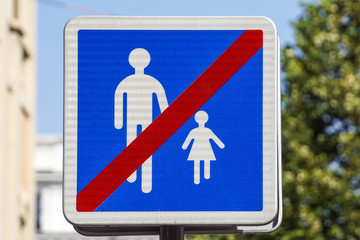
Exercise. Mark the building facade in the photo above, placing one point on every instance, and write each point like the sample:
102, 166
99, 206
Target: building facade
48, 166
17, 111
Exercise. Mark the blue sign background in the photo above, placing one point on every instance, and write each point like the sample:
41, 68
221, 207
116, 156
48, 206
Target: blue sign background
178, 57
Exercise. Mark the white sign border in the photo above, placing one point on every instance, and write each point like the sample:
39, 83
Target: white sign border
270, 127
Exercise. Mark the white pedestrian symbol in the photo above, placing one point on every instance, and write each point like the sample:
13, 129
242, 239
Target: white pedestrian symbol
201, 148
139, 89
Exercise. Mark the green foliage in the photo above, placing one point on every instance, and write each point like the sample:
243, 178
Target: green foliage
320, 126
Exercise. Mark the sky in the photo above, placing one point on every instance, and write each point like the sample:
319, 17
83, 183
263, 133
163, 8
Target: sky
53, 15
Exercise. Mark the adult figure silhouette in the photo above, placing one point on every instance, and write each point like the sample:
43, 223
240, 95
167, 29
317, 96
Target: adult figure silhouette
139, 89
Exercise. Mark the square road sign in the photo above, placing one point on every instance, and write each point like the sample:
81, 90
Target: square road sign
171, 120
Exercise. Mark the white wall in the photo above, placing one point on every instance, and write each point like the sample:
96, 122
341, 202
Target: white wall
51, 217
48, 154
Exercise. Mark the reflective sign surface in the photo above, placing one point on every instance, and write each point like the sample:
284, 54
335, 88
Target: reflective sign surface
170, 121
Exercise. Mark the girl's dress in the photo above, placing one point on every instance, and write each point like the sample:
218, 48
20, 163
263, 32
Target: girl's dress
201, 148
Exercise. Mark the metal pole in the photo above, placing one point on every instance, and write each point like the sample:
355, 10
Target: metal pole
172, 233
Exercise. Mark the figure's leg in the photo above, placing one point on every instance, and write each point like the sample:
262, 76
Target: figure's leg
207, 169
131, 135
146, 175
146, 171
196, 171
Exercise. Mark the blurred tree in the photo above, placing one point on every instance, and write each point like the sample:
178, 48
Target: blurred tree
321, 126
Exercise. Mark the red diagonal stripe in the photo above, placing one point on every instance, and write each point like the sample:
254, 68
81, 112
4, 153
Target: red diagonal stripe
164, 126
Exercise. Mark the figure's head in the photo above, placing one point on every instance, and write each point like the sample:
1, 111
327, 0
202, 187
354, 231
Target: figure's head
201, 117
139, 58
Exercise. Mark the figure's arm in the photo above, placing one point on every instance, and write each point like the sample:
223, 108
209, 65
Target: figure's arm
217, 140
118, 119
161, 96
187, 141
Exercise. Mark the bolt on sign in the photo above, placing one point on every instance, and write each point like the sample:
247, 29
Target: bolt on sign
172, 121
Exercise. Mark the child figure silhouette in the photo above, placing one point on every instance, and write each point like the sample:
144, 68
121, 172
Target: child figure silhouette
201, 148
